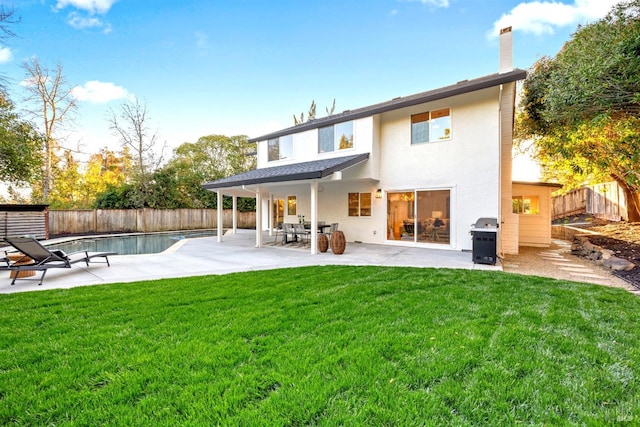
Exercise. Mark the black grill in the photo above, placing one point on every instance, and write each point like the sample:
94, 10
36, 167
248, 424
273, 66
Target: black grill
485, 234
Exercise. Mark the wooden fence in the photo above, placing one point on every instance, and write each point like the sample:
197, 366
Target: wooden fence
20, 220
605, 200
142, 220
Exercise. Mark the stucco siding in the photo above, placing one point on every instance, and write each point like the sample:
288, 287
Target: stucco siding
467, 164
305, 145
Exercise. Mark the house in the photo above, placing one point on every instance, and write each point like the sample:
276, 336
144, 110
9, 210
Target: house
417, 170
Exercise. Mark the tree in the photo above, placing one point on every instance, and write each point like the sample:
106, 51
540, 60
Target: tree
104, 169
77, 188
66, 194
53, 103
582, 108
311, 115
131, 125
7, 19
211, 157
20, 146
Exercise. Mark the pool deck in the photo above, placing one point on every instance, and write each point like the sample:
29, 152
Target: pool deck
236, 253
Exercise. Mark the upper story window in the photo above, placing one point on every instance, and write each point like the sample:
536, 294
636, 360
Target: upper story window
280, 148
431, 126
335, 137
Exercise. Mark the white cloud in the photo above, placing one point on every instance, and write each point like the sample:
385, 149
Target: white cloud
98, 92
91, 6
543, 17
79, 22
5, 55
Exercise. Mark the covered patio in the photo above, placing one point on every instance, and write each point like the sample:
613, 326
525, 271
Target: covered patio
261, 184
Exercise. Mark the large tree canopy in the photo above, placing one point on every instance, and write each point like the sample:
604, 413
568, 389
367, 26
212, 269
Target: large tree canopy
20, 146
582, 108
179, 183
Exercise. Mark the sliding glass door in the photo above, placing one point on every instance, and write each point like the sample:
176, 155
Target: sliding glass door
419, 216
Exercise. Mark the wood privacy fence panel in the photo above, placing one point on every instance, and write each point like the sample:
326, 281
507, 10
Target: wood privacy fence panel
572, 203
608, 200
142, 220
605, 200
21, 223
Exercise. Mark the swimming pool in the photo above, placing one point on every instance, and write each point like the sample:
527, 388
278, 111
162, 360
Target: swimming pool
129, 244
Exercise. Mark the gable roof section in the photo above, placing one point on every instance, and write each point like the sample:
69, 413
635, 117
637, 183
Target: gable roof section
295, 172
462, 87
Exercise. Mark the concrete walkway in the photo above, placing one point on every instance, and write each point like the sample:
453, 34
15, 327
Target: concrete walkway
237, 252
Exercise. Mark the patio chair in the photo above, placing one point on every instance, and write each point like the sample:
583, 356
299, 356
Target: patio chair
302, 233
288, 233
37, 257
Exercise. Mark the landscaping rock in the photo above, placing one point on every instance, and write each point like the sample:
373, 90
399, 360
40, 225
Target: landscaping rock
607, 253
618, 264
582, 246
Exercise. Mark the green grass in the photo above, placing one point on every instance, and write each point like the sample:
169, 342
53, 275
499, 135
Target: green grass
323, 346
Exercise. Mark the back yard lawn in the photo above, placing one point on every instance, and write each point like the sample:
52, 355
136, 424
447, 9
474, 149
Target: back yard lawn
323, 346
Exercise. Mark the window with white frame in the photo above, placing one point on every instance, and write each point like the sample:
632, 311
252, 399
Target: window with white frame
335, 137
280, 148
431, 126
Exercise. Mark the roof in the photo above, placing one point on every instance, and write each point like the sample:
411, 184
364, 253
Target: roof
539, 184
462, 87
22, 208
294, 172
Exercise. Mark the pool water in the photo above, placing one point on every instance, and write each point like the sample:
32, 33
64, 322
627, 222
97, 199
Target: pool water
130, 244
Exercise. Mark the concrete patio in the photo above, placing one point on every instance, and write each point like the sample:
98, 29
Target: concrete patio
236, 253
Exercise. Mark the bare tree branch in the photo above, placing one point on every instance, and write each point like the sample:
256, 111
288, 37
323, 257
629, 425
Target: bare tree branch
52, 103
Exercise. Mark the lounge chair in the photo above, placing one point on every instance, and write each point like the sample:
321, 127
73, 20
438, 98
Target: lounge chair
37, 257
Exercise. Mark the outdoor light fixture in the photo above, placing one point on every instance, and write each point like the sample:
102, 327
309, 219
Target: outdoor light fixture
379, 194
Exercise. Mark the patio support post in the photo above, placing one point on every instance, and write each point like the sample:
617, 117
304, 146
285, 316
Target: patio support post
314, 217
235, 214
270, 210
219, 215
258, 219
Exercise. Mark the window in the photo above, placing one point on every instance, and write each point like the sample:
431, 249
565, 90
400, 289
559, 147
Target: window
431, 126
335, 137
292, 202
527, 205
280, 148
359, 204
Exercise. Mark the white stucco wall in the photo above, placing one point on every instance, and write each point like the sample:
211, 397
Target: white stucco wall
467, 164
305, 145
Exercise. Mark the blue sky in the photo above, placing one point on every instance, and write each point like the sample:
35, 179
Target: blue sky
246, 66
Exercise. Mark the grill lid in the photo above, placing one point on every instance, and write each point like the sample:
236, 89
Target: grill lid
487, 224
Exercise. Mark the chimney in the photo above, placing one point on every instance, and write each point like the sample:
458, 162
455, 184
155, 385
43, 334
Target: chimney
506, 50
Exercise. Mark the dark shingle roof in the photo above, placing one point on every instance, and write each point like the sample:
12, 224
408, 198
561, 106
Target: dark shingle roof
459, 88
295, 172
